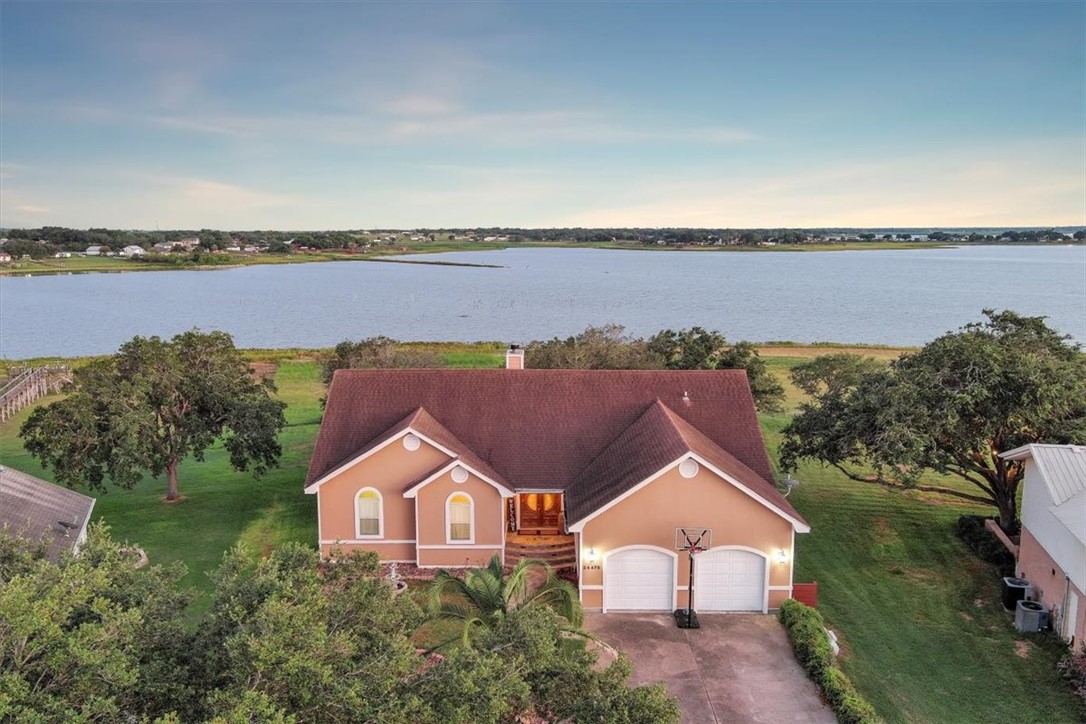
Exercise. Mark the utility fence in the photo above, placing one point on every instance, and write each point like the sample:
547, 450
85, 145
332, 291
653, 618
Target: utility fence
28, 384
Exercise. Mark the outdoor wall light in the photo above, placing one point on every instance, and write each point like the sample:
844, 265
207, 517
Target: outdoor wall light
590, 555
782, 556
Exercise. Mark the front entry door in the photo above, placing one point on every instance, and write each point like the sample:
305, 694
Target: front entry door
539, 510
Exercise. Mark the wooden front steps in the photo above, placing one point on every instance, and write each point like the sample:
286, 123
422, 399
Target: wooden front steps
556, 550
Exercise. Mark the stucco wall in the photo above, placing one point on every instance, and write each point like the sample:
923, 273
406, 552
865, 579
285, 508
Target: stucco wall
489, 523
389, 471
1061, 544
1050, 583
650, 516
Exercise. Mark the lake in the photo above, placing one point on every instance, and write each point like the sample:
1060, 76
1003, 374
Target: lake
876, 297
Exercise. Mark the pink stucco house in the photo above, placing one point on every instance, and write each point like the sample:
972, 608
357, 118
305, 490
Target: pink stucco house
595, 469
1052, 554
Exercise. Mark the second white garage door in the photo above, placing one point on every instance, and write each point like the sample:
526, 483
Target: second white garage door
640, 579
726, 579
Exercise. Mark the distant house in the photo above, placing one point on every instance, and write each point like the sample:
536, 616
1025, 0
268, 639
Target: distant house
62, 255
164, 247
132, 250
40, 511
1052, 556
189, 242
93, 251
4, 257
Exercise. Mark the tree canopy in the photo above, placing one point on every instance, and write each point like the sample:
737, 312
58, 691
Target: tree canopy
151, 405
950, 408
698, 349
375, 352
285, 639
610, 348
596, 348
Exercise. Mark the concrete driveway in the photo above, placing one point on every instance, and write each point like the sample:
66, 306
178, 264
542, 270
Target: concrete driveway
735, 668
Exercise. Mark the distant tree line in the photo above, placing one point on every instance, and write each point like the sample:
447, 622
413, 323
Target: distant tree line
48, 240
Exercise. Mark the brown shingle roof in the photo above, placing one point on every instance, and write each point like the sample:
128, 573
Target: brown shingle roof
424, 423
33, 508
541, 429
656, 439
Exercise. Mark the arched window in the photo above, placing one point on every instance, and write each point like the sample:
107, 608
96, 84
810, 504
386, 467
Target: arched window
367, 514
461, 519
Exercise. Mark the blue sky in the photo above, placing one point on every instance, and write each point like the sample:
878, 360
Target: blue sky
356, 115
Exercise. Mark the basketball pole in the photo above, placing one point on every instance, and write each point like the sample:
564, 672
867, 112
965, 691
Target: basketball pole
690, 593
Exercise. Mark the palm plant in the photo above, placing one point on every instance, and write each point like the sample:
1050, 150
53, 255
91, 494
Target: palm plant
484, 596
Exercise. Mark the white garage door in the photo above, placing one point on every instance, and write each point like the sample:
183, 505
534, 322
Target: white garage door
729, 580
638, 580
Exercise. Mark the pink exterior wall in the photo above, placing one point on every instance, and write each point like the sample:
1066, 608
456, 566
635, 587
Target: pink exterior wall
489, 523
650, 516
388, 470
1050, 585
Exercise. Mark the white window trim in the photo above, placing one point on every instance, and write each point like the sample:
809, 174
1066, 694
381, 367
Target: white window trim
470, 540
380, 515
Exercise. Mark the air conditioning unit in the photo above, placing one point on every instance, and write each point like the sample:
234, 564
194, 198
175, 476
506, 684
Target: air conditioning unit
1015, 590
1030, 617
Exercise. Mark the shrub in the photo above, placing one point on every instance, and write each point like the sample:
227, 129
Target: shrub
1073, 668
813, 651
984, 544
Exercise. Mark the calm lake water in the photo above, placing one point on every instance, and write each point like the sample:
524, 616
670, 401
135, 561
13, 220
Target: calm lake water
883, 297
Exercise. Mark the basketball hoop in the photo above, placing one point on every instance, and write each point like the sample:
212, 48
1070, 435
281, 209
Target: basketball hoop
690, 537
694, 541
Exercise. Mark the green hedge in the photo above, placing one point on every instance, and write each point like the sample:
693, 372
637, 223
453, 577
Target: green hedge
984, 543
807, 633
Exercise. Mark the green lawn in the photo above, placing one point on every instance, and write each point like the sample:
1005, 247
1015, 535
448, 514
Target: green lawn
924, 636
220, 507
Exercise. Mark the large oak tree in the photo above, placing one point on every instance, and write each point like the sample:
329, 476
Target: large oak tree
950, 408
151, 405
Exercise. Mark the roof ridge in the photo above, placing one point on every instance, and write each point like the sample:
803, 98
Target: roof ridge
657, 404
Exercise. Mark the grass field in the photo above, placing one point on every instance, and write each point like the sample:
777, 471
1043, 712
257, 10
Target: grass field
924, 636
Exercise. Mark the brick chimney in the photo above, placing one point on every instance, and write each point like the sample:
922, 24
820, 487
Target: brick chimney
514, 358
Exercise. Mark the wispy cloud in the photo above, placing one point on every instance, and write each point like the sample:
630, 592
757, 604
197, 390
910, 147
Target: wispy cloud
1030, 184
435, 123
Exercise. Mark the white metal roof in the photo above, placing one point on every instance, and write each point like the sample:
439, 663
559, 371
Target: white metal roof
1072, 513
1062, 467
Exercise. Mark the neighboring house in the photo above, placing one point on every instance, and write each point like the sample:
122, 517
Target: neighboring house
4, 256
63, 255
132, 250
1052, 556
164, 247
448, 467
38, 510
93, 251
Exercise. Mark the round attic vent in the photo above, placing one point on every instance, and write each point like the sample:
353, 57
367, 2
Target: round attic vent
459, 475
688, 468
411, 442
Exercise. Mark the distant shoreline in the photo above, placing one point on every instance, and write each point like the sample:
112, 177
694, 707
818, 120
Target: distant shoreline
113, 265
